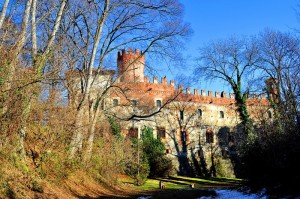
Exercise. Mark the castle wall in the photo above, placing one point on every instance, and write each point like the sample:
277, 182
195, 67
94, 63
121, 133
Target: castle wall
182, 118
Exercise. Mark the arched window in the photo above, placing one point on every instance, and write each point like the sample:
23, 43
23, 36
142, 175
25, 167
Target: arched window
199, 112
221, 114
209, 136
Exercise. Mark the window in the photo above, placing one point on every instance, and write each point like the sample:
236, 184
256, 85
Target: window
221, 114
209, 136
133, 132
199, 112
181, 115
133, 102
158, 103
115, 102
161, 132
270, 114
167, 151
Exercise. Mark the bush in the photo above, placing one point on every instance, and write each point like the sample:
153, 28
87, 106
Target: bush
160, 165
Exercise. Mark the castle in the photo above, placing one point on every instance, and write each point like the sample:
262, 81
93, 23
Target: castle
195, 126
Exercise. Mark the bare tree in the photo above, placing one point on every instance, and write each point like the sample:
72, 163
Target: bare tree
32, 68
147, 24
231, 61
3, 12
280, 56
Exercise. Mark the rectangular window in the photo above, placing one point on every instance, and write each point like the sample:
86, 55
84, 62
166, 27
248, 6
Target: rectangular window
221, 114
199, 112
115, 102
133, 133
161, 132
181, 115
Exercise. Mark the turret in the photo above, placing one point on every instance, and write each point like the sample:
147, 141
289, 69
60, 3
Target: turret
131, 66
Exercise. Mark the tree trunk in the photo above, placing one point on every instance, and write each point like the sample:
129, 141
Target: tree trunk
3, 13
77, 139
33, 31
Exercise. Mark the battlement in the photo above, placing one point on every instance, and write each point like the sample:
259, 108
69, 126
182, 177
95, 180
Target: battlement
131, 70
131, 65
164, 81
212, 94
193, 95
124, 55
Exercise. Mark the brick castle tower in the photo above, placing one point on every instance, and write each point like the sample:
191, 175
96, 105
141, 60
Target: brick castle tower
131, 66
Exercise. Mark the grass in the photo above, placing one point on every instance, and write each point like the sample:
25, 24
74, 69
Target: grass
179, 186
180, 182
153, 184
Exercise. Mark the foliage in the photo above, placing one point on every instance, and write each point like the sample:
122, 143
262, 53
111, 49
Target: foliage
160, 165
115, 127
138, 168
271, 161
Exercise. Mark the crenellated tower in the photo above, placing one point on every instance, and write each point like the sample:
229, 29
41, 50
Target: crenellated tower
131, 66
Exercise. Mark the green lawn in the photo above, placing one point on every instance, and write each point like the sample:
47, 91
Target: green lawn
180, 182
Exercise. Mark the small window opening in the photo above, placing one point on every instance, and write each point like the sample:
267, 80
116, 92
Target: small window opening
161, 132
221, 114
115, 102
158, 103
181, 115
199, 112
133, 132
209, 136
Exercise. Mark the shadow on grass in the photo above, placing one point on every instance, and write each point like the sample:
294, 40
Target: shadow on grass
209, 181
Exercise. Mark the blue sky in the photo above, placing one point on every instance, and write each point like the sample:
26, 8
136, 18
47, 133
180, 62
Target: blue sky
217, 19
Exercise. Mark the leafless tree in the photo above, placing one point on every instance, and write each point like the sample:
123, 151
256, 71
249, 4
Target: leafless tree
280, 56
230, 60
3, 12
147, 24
